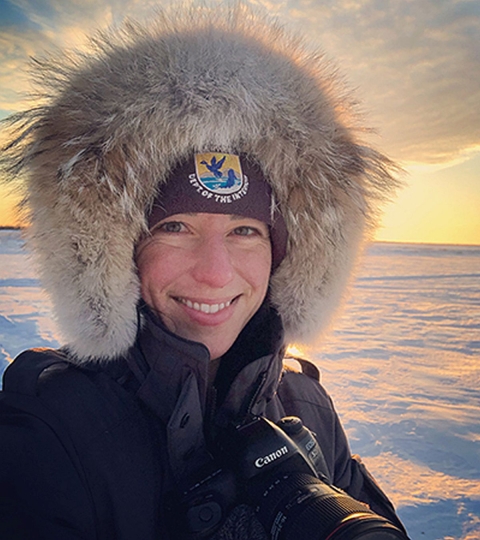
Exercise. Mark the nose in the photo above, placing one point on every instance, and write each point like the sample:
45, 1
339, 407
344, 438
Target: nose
213, 263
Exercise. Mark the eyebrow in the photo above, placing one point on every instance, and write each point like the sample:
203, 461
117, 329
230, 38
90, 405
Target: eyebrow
232, 216
238, 217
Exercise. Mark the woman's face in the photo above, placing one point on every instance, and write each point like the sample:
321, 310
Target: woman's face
206, 275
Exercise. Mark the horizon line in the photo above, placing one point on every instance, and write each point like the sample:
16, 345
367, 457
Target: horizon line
423, 243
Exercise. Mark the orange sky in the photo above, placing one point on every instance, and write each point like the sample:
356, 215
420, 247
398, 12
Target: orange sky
8, 215
414, 65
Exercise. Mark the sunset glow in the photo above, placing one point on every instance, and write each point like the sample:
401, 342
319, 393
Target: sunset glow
8, 213
438, 205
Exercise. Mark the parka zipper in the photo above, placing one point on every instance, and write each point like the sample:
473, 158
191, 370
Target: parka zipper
211, 408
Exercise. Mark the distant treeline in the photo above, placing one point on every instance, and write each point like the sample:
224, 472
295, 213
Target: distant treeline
9, 228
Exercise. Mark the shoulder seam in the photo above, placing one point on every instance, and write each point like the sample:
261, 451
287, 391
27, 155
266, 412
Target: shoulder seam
21, 376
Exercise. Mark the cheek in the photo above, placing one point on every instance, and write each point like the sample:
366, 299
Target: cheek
256, 270
144, 273
155, 271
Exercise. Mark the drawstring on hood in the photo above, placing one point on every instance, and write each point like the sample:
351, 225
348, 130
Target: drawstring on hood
114, 123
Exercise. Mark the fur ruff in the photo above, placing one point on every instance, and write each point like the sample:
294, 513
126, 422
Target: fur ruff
114, 123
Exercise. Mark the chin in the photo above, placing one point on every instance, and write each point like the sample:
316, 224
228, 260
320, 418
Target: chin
218, 349
217, 352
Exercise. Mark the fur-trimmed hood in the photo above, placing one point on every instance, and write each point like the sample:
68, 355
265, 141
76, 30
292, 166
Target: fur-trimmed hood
115, 122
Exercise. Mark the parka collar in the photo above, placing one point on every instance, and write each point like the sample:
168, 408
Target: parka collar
163, 363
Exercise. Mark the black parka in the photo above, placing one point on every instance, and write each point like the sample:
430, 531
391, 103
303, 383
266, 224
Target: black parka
93, 453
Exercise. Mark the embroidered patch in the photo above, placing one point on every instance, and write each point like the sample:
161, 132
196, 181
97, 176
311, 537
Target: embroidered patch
221, 174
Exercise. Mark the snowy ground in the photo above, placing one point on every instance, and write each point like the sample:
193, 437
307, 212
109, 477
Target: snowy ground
402, 366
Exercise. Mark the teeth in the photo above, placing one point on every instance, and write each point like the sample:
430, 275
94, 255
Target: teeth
205, 308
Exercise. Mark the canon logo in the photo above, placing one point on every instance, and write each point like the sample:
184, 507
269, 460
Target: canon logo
261, 461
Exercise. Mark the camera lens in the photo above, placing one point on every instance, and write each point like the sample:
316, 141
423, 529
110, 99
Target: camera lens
300, 506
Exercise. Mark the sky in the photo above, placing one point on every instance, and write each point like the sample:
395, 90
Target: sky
414, 65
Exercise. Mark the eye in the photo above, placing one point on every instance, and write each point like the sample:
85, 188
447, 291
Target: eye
244, 230
252, 231
171, 227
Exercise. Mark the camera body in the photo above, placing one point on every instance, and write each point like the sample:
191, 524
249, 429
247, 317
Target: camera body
255, 448
278, 469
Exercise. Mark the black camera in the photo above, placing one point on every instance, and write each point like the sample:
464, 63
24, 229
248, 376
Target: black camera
283, 475
279, 469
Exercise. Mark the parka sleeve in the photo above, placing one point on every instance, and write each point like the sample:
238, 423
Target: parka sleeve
42, 496
302, 395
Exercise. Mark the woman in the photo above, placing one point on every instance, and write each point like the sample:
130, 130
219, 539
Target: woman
196, 199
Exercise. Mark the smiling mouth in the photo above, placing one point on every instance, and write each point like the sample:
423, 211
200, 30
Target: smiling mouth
204, 308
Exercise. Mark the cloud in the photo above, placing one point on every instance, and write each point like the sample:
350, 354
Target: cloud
32, 28
53, 15
15, 49
417, 66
